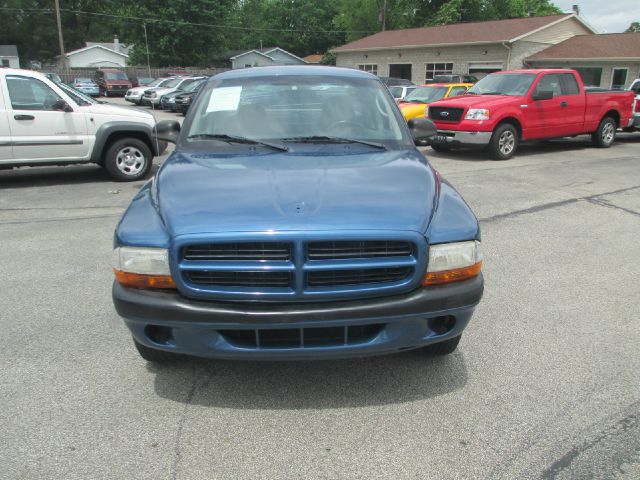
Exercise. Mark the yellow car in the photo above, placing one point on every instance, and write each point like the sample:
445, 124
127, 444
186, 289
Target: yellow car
415, 104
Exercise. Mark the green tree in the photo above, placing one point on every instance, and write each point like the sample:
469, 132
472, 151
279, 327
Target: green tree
634, 27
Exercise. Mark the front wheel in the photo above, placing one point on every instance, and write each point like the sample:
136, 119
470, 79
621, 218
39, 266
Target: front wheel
128, 160
443, 348
440, 148
606, 133
504, 142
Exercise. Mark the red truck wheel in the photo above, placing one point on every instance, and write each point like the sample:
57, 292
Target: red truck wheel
504, 142
606, 133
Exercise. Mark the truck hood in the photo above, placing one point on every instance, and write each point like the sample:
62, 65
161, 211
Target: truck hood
205, 193
476, 101
119, 111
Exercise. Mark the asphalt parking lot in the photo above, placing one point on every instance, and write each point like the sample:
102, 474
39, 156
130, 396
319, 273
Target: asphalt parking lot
545, 383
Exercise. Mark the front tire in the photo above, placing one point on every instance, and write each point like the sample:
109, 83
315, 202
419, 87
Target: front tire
443, 348
155, 356
440, 148
504, 142
128, 160
606, 133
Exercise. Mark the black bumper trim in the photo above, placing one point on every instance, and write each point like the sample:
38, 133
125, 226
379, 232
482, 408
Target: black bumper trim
147, 305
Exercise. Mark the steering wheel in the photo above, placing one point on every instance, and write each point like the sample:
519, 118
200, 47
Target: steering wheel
344, 125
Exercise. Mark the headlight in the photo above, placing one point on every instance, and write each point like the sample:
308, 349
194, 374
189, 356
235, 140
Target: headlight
153, 94
453, 262
141, 267
477, 114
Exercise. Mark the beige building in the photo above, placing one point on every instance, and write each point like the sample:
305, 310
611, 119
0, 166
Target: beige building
474, 48
607, 61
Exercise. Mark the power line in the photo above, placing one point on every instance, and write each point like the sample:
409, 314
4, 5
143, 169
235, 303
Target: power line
177, 22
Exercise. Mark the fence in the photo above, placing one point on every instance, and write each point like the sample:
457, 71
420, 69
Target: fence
69, 74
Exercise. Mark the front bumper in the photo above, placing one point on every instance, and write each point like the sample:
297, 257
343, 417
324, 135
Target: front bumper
460, 138
198, 327
133, 98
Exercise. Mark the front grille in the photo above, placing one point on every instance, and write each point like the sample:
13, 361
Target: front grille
357, 249
241, 279
239, 251
360, 276
299, 266
445, 114
302, 337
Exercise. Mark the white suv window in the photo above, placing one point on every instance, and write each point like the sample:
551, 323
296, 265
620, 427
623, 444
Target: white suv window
30, 94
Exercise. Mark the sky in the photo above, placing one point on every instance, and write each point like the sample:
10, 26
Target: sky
606, 16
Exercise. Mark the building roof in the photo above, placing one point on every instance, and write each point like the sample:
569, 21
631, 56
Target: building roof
123, 48
264, 52
591, 47
8, 51
458, 33
74, 52
315, 58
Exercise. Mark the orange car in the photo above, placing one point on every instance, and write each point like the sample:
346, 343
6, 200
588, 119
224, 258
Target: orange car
415, 104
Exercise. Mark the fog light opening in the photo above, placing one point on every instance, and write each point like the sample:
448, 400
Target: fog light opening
442, 325
159, 335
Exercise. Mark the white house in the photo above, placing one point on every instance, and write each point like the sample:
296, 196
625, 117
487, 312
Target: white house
263, 57
9, 56
95, 55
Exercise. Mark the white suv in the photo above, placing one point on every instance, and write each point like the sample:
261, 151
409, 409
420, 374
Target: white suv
48, 123
153, 96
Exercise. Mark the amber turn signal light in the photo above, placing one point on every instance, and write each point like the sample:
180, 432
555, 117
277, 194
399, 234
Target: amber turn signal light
138, 280
449, 276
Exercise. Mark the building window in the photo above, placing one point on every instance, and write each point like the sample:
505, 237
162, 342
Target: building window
433, 69
369, 67
5, 62
591, 76
619, 78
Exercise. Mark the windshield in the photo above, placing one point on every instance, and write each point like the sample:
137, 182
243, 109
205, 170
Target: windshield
194, 86
426, 94
514, 84
172, 82
80, 98
396, 92
296, 107
115, 76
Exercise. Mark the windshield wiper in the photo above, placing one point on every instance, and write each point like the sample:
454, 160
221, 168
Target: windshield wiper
327, 139
236, 139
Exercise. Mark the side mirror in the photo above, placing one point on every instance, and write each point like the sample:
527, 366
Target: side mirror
62, 106
422, 129
543, 95
167, 131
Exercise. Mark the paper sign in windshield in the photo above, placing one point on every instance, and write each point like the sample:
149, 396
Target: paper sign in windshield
224, 99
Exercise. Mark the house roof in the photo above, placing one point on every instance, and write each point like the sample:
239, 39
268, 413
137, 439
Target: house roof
590, 47
257, 52
74, 52
8, 51
265, 51
111, 46
315, 58
459, 33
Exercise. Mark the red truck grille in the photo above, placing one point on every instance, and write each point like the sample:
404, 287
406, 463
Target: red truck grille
445, 114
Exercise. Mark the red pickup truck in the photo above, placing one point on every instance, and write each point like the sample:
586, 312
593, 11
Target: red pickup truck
505, 108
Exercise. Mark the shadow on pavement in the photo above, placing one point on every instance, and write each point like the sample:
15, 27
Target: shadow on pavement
398, 378
51, 176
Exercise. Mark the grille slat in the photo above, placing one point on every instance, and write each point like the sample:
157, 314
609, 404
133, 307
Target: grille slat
445, 114
360, 276
357, 249
302, 337
239, 251
241, 279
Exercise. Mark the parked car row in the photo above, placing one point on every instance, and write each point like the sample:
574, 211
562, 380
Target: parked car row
172, 93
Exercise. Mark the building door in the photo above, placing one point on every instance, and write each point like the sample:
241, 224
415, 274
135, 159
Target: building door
400, 70
482, 69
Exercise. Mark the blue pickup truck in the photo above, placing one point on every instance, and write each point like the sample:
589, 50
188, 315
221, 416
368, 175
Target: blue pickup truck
296, 219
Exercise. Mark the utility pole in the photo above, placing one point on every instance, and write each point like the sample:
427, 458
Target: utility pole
383, 15
146, 41
60, 41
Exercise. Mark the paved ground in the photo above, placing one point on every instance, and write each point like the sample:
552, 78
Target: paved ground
545, 384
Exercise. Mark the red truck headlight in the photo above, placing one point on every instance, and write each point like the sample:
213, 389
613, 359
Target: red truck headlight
141, 267
477, 114
453, 262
